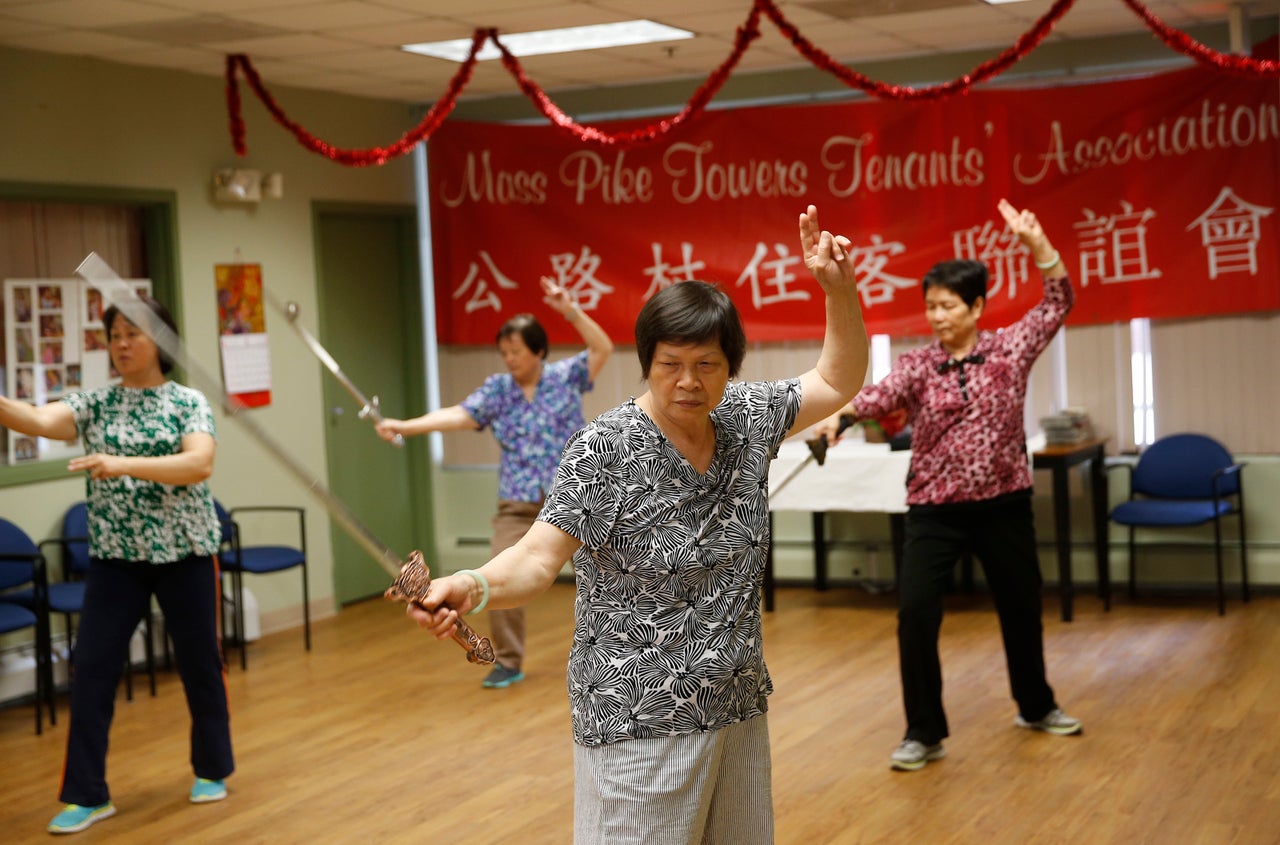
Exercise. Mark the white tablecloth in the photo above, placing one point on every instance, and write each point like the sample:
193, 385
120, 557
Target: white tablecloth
856, 476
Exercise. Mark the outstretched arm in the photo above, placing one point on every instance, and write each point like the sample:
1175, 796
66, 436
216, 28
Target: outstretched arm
56, 420
599, 346
446, 419
842, 364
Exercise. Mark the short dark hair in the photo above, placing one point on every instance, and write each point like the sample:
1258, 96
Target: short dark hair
687, 313
530, 331
964, 277
161, 313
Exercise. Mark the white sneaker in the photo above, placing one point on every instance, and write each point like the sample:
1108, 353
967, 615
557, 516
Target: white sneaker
912, 755
1053, 722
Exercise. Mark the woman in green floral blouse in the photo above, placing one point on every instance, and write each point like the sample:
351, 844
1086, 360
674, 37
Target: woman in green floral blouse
153, 530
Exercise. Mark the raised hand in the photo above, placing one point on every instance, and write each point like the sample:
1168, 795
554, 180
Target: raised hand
1026, 226
826, 255
559, 298
1028, 229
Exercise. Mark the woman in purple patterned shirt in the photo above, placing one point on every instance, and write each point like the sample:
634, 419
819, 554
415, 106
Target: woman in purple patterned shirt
532, 408
969, 486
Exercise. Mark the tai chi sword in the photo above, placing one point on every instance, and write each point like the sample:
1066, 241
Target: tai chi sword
368, 407
411, 577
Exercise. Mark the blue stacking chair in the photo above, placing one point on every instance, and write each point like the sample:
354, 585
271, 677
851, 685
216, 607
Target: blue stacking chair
24, 603
238, 559
1185, 480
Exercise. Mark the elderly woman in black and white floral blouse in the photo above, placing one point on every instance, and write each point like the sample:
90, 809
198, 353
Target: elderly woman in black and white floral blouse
662, 503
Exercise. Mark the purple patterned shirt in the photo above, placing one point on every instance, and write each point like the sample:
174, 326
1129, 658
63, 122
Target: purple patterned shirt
967, 442
531, 433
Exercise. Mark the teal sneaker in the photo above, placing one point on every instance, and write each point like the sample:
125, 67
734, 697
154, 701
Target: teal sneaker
75, 818
502, 676
204, 791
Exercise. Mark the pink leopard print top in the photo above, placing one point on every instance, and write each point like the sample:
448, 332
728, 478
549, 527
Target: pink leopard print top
967, 442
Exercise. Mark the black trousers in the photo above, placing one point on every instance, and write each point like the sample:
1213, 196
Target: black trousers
117, 595
1001, 534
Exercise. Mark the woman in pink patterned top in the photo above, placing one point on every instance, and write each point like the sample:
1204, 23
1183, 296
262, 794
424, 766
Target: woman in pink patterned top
970, 483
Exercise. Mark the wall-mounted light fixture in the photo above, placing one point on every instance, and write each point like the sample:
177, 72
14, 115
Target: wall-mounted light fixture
233, 184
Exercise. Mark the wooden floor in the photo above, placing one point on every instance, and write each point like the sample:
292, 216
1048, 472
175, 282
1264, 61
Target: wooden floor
379, 735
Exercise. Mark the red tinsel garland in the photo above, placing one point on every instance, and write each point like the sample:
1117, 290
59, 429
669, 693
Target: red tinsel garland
747, 33
352, 158
1188, 46
987, 70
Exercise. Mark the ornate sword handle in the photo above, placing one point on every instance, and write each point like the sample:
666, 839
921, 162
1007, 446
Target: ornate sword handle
411, 586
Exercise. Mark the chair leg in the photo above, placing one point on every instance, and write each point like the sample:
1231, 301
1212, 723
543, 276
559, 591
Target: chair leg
1217, 558
1244, 557
1133, 582
49, 686
237, 578
149, 648
306, 607
222, 618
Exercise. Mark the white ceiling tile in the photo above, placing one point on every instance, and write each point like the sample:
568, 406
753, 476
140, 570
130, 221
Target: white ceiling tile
300, 44
191, 59
91, 13
325, 16
413, 31
14, 30
83, 43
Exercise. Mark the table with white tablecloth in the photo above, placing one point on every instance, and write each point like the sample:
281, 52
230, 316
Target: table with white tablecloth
855, 476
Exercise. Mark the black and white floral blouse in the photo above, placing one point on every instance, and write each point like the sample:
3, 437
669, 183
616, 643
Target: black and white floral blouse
667, 634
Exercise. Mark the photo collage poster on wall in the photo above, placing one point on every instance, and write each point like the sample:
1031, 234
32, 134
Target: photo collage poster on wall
55, 344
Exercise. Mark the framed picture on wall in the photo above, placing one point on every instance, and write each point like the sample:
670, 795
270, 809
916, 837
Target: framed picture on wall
54, 343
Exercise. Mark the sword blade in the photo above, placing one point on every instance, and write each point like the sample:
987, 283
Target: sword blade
369, 408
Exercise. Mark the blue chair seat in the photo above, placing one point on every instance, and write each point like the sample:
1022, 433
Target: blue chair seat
260, 560
66, 597
1155, 513
15, 617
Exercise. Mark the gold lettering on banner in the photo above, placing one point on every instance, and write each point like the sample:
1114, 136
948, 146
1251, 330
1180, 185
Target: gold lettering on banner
853, 167
615, 184
1218, 126
696, 176
482, 182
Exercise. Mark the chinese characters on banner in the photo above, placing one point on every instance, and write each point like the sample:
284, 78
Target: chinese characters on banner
242, 330
1161, 194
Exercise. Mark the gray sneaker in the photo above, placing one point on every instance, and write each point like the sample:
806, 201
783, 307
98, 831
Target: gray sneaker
912, 755
1053, 722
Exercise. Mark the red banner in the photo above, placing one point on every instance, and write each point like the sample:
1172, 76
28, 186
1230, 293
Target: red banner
1161, 194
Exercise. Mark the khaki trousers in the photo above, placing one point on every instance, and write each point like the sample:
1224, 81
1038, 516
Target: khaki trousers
506, 627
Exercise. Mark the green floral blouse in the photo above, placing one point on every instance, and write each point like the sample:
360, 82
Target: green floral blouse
129, 518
